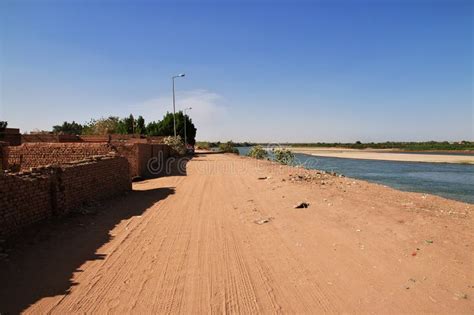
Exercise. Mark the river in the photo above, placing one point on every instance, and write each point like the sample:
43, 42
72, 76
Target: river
453, 181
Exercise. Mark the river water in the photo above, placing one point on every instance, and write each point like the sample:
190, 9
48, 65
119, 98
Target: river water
453, 181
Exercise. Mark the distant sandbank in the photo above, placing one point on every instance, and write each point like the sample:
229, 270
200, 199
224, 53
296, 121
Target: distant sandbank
386, 155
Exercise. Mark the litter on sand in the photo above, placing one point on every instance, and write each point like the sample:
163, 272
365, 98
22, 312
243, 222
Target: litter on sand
301, 205
262, 221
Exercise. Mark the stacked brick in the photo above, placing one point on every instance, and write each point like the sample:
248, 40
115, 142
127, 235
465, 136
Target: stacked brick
161, 152
11, 136
29, 155
93, 179
25, 198
94, 138
130, 152
140, 154
4, 156
29, 197
49, 138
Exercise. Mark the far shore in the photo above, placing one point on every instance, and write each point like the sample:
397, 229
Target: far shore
385, 155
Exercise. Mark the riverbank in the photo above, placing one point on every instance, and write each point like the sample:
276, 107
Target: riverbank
386, 155
226, 238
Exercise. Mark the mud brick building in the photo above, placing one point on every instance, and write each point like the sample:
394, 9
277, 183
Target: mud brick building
51, 175
32, 196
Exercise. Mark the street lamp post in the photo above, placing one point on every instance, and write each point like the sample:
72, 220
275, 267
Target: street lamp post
174, 106
185, 139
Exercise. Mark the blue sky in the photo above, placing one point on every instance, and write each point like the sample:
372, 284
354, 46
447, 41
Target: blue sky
295, 71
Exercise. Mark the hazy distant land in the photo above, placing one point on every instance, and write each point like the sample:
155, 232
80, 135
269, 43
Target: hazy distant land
387, 155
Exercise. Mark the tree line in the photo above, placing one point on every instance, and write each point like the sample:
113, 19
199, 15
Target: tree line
131, 125
407, 146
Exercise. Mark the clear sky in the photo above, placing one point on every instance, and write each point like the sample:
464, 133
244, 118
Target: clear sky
295, 71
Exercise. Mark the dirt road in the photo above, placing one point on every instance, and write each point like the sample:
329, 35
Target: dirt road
189, 244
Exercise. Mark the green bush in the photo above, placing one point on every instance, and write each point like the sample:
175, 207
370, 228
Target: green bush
283, 156
176, 143
3, 125
228, 147
203, 145
257, 152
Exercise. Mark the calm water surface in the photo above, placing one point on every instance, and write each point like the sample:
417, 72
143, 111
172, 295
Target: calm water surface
454, 181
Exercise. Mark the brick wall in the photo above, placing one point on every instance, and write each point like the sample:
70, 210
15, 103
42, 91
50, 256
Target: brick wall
29, 155
95, 138
24, 200
4, 156
39, 138
144, 153
11, 136
102, 178
29, 197
138, 155
39, 154
53, 138
130, 152
147, 152
49, 138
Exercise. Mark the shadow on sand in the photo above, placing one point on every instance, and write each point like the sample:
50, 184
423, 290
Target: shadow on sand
178, 167
44, 259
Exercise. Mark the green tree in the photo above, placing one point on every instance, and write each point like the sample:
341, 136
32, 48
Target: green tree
165, 127
152, 129
283, 156
67, 128
102, 126
126, 125
228, 147
257, 152
129, 124
190, 128
140, 126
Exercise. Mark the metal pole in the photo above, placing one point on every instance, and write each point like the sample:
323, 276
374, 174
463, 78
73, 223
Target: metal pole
181, 75
174, 111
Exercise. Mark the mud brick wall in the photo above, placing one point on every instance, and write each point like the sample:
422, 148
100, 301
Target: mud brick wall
11, 135
29, 155
161, 152
94, 138
33, 196
39, 138
24, 200
82, 182
50, 138
138, 155
130, 152
4, 156
144, 153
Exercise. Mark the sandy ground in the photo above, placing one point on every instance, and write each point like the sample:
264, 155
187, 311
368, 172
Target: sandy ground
190, 244
368, 154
